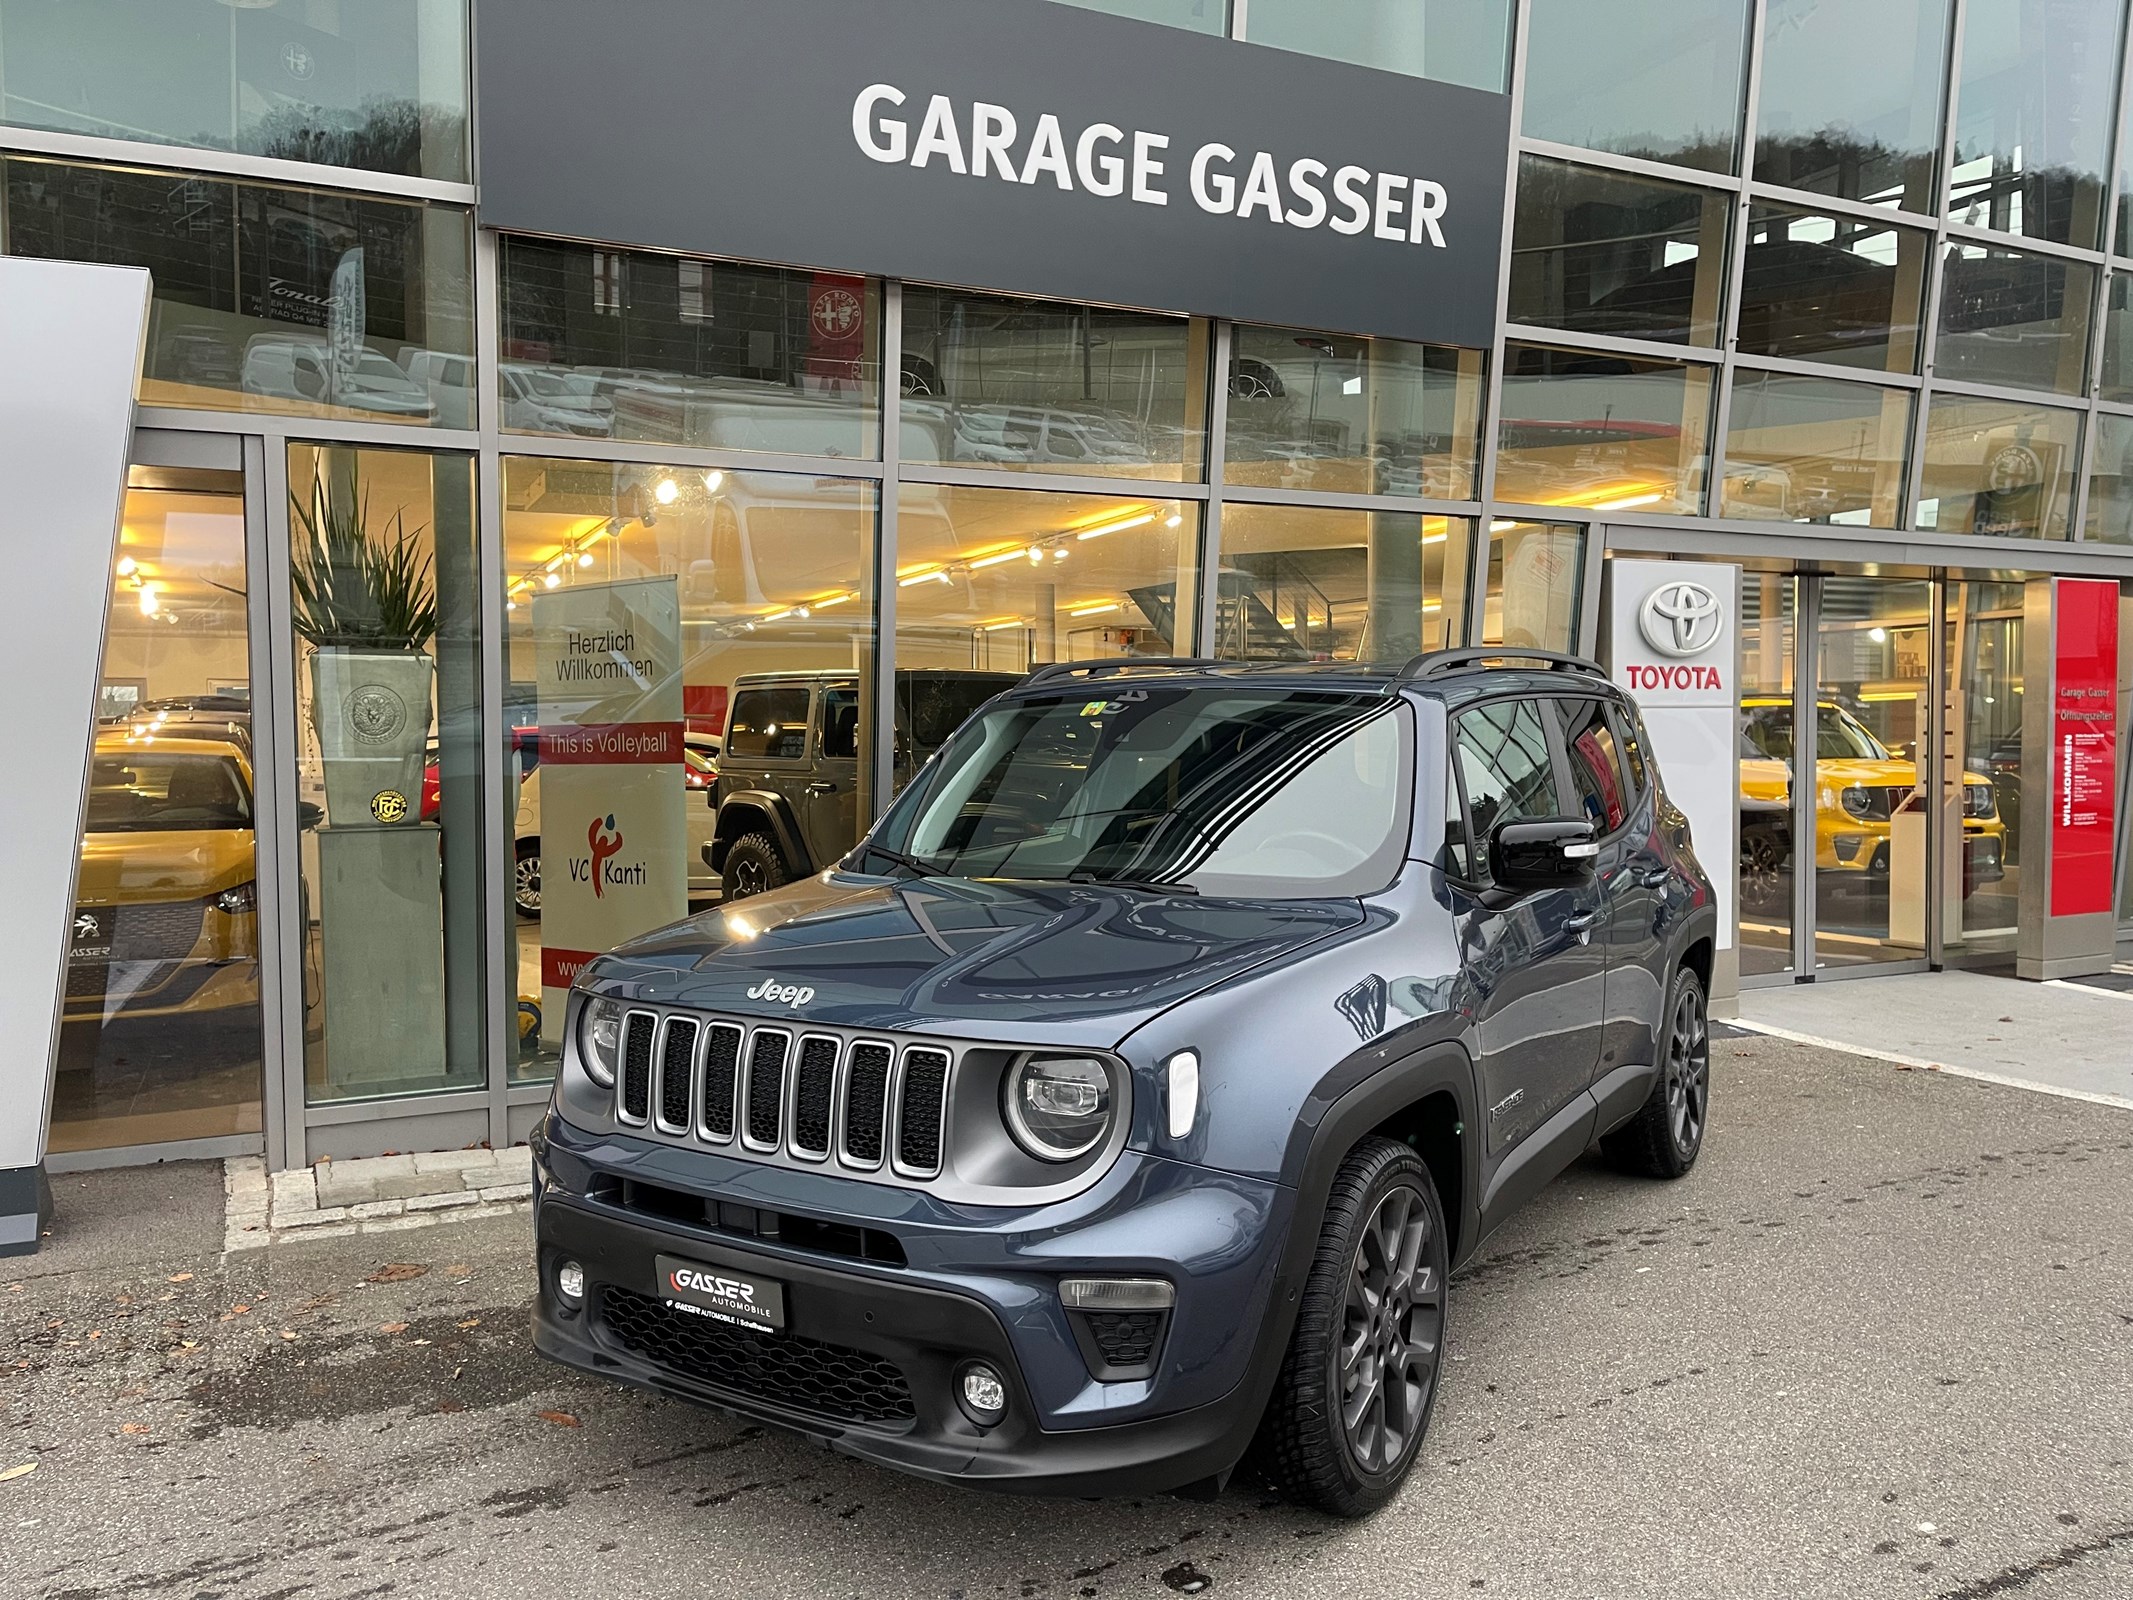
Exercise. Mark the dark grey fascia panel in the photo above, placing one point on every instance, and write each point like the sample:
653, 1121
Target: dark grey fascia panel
744, 129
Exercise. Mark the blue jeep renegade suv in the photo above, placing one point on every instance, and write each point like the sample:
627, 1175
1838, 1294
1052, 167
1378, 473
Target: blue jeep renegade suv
1127, 1097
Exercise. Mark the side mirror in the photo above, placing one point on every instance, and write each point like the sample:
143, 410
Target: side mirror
308, 816
1543, 853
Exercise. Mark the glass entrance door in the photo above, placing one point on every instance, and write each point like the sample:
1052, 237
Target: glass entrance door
1873, 829
160, 1031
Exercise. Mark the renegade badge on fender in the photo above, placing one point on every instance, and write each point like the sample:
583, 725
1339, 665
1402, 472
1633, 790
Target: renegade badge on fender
1132, 1089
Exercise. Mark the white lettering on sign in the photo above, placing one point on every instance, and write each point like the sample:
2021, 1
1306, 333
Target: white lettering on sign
1264, 187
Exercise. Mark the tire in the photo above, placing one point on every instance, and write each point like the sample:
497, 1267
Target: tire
1321, 1448
753, 866
1663, 1139
526, 880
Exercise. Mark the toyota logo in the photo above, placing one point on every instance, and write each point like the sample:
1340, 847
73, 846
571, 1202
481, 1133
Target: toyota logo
1680, 619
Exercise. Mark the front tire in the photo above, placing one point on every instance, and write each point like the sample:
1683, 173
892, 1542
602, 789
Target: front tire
753, 866
1357, 1386
526, 880
1665, 1136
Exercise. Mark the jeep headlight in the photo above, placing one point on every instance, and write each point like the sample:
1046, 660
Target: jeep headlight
1058, 1107
600, 1039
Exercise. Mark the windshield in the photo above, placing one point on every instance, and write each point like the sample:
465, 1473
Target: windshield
1266, 794
158, 792
930, 708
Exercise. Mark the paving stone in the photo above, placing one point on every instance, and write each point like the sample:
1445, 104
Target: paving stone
519, 1190
339, 1230
376, 1208
312, 1218
506, 1208
517, 1160
354, 1188
294, 1190
394, 1224
441, 1161
440, 1202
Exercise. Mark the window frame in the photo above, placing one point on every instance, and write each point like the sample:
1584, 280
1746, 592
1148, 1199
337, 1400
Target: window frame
1558, 767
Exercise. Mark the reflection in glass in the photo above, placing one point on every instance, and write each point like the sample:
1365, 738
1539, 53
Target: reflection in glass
1312, 584
1201, 16
160, 1029
1984, 733
1768, 602
1871, 657
1820, 287
1453, 41
1813, 450
1008, 580
990, 381
2009, 317
1599, 252
296, 301
767, 575
1354, 416
1661, 79
626, 344
1850, 99
2110, 514
381, 86
386, 607
1996, 467
2033, 117
1536, 584
2114, 377
1603, 432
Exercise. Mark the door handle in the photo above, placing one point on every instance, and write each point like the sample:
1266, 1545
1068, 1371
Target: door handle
1583, 922
822, 788
1652, 877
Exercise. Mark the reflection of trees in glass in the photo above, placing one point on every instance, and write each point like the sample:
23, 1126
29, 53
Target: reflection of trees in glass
385, 135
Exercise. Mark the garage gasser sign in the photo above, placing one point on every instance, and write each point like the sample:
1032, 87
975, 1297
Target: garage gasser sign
613, 834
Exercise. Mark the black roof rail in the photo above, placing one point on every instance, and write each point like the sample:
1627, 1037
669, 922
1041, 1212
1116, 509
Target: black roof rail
1065, 669
1436, 663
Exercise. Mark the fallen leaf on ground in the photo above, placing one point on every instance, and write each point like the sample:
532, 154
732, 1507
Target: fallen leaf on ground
179, 1277
22, 1471
288, 1333
471, 1322
562, 1419
96, 1333
392, 1327
234, 1311
458, 1269
133, 1427
398, 1272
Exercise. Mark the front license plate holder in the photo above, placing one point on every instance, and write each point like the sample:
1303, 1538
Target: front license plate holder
740, 1299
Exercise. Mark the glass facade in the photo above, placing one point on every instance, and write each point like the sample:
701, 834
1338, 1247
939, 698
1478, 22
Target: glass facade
1746, 297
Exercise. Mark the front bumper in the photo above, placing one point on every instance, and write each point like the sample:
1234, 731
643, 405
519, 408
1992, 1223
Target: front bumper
977, 1284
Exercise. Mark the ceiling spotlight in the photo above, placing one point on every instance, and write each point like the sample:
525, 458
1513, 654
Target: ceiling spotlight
1173, 520
1059, 554
665, 490
148, 600
713, 479
585, 558
552, 579
127, 566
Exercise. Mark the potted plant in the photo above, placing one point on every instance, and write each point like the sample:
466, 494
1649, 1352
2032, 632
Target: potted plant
367, 606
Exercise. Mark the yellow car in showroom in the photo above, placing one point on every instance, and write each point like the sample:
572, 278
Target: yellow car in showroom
165, 922
1859, 782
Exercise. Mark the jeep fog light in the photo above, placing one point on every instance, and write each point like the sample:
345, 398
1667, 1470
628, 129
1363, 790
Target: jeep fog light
570, 1283
983, 1394
1181, 1075
600, 1039
1058, 1107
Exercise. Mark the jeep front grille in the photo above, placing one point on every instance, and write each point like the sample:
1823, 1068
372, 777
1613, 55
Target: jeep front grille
764, 1091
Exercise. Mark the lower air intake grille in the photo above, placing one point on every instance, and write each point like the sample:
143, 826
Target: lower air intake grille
918, 1121
766, 1086
866, 1102
722, 1062
814, 1091
829, 1380
675, 1059
637, 1066
1126, 1338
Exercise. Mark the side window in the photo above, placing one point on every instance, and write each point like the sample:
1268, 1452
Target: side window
840, 723
1504, 764
1599, 785
768, 724
1631, 734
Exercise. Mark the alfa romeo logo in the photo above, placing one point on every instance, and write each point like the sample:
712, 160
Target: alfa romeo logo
836, 313
2014, 467
1680, 619
375, 713
296, 62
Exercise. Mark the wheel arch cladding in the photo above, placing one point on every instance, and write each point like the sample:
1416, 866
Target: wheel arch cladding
753, 811
1430, 1127
1697, 958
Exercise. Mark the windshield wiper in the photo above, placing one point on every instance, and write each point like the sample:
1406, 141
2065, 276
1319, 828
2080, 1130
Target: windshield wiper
897, 857
1141, 885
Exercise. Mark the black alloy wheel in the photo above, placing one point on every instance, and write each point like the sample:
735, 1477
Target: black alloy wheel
753, 866
526, 880
1353, 1399
1663, 1139
1386, 1365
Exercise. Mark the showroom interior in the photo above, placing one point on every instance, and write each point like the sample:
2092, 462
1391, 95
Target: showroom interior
1839, 292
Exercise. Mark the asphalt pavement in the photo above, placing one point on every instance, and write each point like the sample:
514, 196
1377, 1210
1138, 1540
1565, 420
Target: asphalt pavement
1878, 1343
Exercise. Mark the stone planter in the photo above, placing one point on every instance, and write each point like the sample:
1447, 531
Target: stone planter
372, 712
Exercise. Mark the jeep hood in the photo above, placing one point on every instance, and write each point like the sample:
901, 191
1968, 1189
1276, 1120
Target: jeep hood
987, 958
